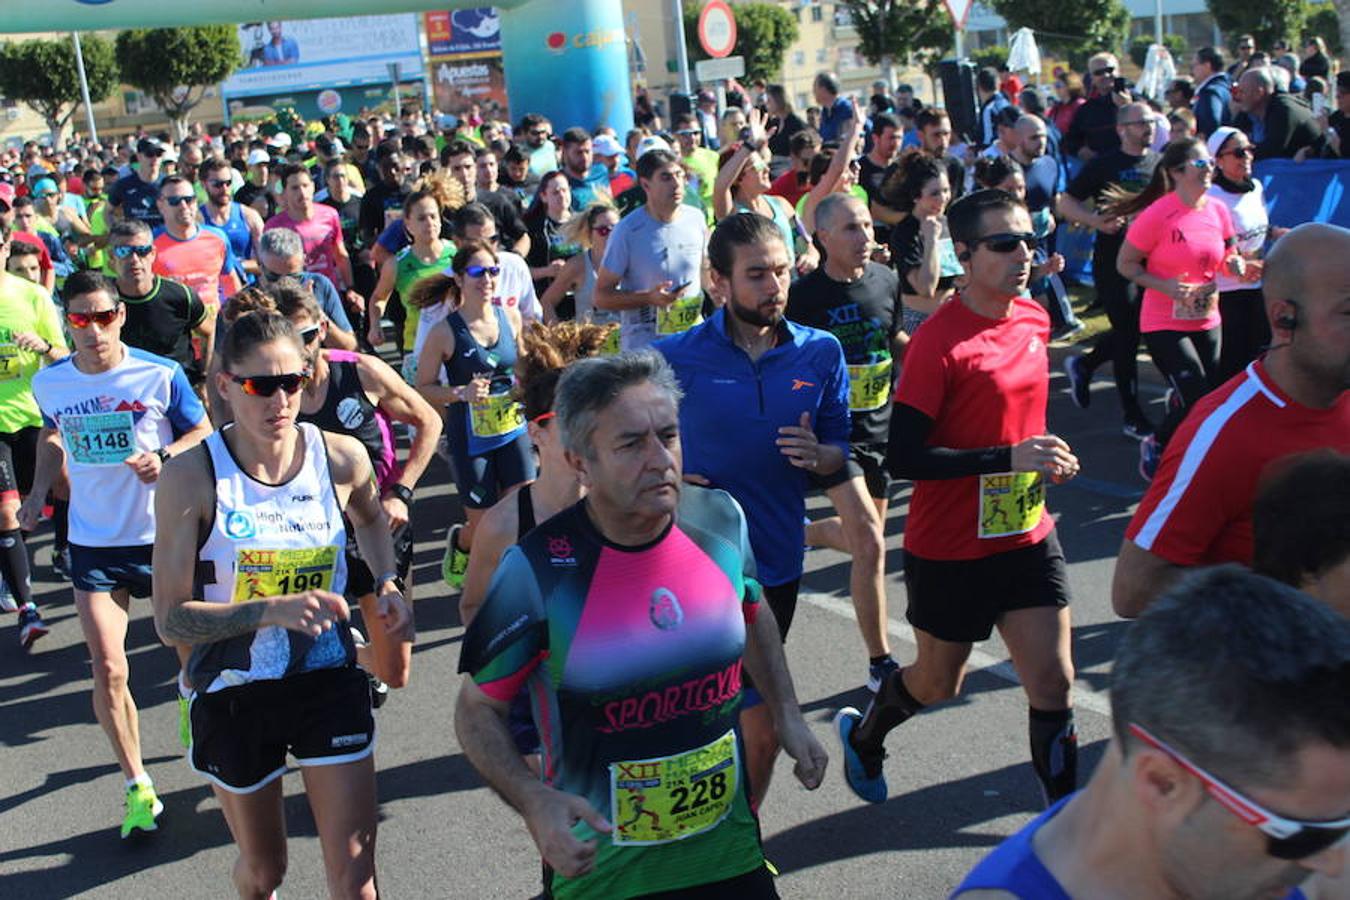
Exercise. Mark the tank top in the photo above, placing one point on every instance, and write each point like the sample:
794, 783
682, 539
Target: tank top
497, 421
267, 540
524, 511
1015, 868
347, 410
585, 297
409, 271
780, 217
236, 229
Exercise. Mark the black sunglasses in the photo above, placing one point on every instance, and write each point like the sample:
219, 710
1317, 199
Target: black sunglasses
1007, 242
180, 201
1107, 70
309, 334
267, 385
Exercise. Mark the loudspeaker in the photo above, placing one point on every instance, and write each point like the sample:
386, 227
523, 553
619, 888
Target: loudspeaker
679, 105
959, 98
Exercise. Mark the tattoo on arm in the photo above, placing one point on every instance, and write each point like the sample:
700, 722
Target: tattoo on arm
196, 622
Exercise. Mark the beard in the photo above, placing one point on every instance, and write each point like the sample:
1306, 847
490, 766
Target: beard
751, 315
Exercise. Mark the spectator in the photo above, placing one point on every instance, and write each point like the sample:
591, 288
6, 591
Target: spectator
1316, 63
1180, 124
1213, 91
1279, 124
905, 99
880, 101
991, 102
1293, 82
1009, 83
1068, 97
1246, 49
1337, 128
705, 112
1093, 131
834, 109
784, 123
793, 184
1179, 94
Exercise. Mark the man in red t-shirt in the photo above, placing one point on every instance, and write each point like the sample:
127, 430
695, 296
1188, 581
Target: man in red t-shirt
319, 227
1198, 509
794, 184
968, 427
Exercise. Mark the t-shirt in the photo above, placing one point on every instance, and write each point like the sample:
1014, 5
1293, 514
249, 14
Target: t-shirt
1116, 167
865, 316
204, 262
349, 215
594, 188
907, 253
410, 269
702, 166
1042, 179
24, 306
162, 321
1198, 508
791, 186
644, 252
1252, 225
515, 287
377, 203
636, 703
141, 404
322, 237
870, 178
984, 383
137, 199
1186, 243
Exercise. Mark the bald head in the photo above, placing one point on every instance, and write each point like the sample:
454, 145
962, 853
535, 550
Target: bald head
833, 207
1311, 254
1254, 89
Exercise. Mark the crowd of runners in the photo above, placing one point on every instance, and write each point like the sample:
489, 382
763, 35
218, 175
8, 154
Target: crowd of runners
229, 364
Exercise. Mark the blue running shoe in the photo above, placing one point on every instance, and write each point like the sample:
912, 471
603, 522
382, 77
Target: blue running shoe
869, 786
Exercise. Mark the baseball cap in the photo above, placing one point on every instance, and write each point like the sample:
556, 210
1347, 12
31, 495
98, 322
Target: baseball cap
280, 139
606, 145
650, 143
149, 147
43, 185
7, 194
255, 157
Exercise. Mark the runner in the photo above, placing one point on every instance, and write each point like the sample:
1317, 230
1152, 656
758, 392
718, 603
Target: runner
654, 259
427, 255
1127, 168
766, 403
1197, 511
359, 395
160, 315
1299, 533
476, 346
1153, 821
112, 415
591, 231
259, 508
683, 551
30, 337
320, 230
133, 196
241, 224
857, 301
980, 549
199, 257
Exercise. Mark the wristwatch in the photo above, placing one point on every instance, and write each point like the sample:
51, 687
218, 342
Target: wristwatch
402, 492
164, 455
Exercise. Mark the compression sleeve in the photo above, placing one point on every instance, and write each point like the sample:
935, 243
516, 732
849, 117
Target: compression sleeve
909, 456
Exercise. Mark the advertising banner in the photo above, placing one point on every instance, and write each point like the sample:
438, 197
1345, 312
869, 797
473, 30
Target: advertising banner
461, 31
312, 54
457, 83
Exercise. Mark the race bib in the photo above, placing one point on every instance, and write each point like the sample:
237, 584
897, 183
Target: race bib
948, 265
656, 801
262, 573
1010, 503
11, 366
495, 415
1201, 307
869, 386
99, 439
681, 315
611, 345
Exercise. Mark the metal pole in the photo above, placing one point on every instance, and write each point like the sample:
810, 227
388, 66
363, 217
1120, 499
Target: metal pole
960, 42
1158, 22
84, 87
681, 51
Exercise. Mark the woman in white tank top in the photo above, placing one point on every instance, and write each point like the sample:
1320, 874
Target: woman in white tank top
251, 523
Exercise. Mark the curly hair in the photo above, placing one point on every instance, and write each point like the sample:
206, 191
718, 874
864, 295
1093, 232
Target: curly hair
247, 300
545, 351
913, 170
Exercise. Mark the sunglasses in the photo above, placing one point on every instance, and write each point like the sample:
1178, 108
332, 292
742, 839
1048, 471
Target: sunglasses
603, 230
1108, 70
104, 318
218, 183
1288, 839
1202, 164
1007, 242
267, 385
48, 195
179, 201
122, 251
1240, 151
480, 271
309, 334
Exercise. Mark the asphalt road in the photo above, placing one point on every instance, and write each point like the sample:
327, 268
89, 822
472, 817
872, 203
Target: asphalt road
959, 775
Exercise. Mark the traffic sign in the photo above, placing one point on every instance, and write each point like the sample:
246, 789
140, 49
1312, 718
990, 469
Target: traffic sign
717, 29
719, 69
960, 11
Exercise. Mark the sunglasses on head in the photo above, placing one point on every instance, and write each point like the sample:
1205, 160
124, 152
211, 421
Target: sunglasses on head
122, 251
480, 271
267, 385
180, 201
1288, 839
1007, 242
104, 318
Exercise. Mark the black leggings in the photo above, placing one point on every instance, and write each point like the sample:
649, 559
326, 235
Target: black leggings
1246, 330
1120, 345
1189, 360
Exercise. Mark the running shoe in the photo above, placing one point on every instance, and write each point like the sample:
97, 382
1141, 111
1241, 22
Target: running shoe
864, 777
61, 564
7, 601
379, 691
877, 673
1068, 331
1150, 452
184, 722
31, 626
455, 562
1137, 429
1080, 380
142, 809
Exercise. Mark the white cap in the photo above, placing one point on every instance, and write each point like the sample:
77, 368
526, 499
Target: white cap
606, 145
258, 156
649, 143
280, 139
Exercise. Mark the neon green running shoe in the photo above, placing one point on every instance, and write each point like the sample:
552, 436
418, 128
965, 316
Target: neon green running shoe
455, 562
142, 808
184, 722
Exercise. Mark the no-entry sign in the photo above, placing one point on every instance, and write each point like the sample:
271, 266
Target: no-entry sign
717, 29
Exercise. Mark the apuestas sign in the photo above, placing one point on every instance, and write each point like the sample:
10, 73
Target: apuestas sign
717, 29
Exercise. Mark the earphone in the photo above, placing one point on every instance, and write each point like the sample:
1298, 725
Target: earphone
1289, 320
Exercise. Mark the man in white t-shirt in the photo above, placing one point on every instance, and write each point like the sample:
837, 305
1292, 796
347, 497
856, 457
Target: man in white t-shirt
112, 415
653, 266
